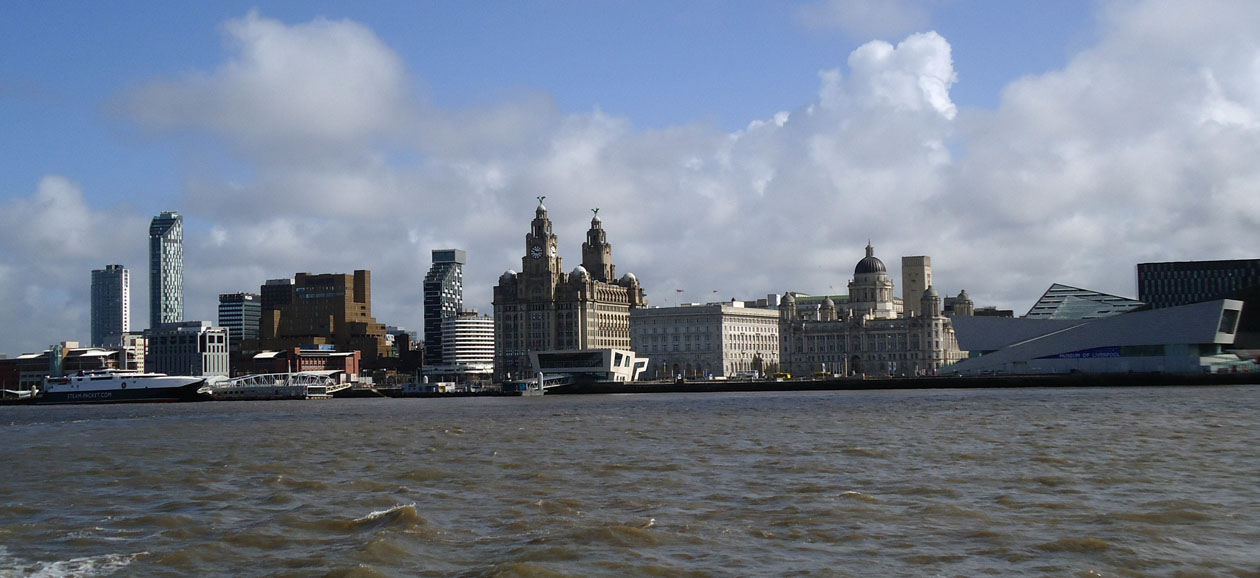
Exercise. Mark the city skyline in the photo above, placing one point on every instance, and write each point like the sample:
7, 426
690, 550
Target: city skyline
1019, 145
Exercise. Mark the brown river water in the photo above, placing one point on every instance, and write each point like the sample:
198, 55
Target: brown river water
1005, 482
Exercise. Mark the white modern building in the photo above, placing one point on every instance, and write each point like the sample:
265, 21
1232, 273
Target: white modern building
585, 365
188, 348
1185, 339
467, 349
706, 340
111, 304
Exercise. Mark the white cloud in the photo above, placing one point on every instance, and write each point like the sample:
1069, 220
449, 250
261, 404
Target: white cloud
53, 239
322, 87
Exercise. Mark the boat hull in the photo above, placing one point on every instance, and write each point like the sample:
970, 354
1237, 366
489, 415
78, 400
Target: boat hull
135, 394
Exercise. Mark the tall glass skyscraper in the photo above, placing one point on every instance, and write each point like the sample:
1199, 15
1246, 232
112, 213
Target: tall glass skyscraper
443, 298
111, 304
166, 269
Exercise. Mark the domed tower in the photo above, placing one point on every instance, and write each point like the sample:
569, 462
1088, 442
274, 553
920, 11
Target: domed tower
542, 254
827, 311
931, 303
871, 291
963, 305
787, 308
597, 252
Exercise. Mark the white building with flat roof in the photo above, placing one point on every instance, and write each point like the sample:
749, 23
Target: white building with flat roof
714, 339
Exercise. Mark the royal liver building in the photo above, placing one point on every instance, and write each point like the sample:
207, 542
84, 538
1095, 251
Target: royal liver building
870, 333
542, 308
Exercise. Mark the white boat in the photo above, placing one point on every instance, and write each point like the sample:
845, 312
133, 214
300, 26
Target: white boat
117, 386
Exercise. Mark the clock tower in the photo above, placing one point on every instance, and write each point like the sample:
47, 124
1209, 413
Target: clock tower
541, 252
543, 308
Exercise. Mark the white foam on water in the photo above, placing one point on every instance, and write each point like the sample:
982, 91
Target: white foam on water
103, 565
379, 513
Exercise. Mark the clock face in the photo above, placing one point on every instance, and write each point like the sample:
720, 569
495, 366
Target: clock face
535, 252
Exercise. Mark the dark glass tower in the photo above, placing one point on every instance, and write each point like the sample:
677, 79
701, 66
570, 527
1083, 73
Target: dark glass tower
111, 304
443, 298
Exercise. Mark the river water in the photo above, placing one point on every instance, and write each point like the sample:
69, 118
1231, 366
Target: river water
1016, 482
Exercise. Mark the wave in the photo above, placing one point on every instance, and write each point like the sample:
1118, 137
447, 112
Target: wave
86, 566
402, 516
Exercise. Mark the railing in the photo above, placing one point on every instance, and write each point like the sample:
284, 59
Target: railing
319, 382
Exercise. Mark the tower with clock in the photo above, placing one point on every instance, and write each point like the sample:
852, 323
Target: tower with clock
543, 308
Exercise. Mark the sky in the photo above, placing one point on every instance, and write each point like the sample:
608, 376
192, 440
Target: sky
734, 149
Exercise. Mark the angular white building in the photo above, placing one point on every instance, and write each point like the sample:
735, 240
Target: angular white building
1185, 339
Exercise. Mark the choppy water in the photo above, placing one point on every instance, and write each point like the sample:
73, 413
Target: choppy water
1097, 482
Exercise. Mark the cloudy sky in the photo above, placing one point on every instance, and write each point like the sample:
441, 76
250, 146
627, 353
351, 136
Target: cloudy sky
734, 149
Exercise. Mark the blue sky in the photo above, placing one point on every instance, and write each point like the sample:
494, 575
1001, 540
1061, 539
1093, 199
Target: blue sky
739, 147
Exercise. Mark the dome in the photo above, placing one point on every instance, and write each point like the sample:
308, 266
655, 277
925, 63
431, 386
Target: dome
595, 222
629, 278
828, 303
579, 272
870, 263
931, 292
963, 296
507, 275
789, 298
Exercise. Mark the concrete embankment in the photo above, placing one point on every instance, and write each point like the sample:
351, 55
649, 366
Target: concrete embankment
839, 384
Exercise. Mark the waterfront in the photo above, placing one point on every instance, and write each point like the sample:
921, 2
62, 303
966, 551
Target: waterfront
1055, 482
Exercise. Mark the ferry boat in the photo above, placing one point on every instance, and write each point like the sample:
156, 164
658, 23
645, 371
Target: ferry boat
117, 386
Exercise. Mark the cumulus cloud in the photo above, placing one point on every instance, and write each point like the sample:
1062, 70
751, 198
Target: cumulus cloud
288, 91
1141, 148
53, 239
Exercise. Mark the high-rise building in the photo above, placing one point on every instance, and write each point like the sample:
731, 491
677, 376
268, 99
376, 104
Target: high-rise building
111, 304
916, 277
240, 314
329, 309
542, 308
166, 269
443, 299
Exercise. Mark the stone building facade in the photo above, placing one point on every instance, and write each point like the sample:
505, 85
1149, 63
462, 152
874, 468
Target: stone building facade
714, 339
543, 308
867, 336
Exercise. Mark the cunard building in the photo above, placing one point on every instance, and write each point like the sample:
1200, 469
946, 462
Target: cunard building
543, 308
867, 334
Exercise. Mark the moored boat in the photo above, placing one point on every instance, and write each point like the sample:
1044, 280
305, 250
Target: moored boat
119, 386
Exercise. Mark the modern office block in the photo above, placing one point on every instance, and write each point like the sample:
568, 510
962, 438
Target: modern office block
111, 304
240, 314
1176, 283
188, 348
329, 309
443, 299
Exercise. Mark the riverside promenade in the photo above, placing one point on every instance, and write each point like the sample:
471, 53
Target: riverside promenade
938, 382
